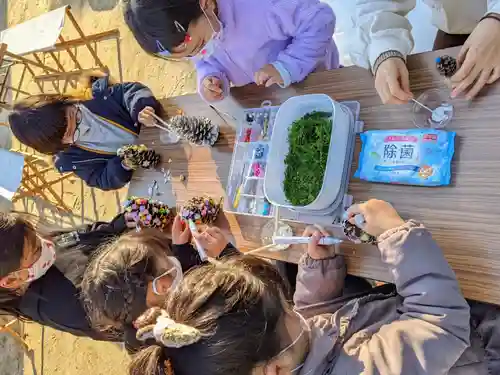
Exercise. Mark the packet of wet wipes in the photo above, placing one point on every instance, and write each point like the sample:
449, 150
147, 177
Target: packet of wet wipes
409, 156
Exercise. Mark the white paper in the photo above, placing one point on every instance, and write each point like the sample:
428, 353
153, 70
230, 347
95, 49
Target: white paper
37, 34
11, 173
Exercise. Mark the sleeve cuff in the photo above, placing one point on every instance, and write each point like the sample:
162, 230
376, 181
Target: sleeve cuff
336, 262
229, 250
403, 45
284, 73
406, 227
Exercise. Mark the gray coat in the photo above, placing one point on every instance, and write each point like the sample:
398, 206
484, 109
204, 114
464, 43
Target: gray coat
424, 328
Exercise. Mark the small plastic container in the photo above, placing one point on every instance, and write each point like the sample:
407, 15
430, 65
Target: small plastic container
293, 109
439, 111
245, 188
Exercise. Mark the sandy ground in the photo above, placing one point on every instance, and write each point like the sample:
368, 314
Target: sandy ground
55, 352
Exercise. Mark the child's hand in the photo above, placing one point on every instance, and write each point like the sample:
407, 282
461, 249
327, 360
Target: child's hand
212, 240
181, 234
212, 88
130, 220
379, 216
146, 117
268, 76
315, 250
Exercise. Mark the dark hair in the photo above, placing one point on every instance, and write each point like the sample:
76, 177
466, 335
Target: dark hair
74, 246
15, 233
154, 21
236, 305
40, 122
115, 283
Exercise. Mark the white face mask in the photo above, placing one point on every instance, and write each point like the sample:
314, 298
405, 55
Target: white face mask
211, 45
175, 273
42, 265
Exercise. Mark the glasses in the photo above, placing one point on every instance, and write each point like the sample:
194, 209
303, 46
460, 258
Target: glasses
78, 121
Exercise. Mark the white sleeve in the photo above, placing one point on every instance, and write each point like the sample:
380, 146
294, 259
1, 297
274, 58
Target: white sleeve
380, 26
494, 6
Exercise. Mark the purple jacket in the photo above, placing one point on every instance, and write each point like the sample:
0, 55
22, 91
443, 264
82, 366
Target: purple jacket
293, 35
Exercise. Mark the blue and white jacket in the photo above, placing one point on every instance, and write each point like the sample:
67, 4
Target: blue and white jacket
120, 105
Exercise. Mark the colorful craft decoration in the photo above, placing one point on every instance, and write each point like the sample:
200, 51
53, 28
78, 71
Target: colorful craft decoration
201, 210
357, 235
148, 213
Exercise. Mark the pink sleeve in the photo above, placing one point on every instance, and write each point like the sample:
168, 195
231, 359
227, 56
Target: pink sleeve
310, 24
318, 281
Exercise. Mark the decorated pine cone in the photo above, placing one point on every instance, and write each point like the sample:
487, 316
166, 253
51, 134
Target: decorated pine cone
148, 213
357, 235
201, 210
198, 130
446, 65
139, 156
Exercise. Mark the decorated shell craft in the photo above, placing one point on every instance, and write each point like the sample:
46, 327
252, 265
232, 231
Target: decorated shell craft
201, 210
148, 213
357, 235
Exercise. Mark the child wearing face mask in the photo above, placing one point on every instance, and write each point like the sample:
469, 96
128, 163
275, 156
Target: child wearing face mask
41, 270
232, 317
238, 41
138, 269
85, 130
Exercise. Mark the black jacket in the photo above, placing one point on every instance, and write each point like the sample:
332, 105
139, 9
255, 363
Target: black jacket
54, 299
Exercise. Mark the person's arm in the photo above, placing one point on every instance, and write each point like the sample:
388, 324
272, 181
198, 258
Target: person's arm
108, 174
189, 257
135, 97
229, 251
380, 26
433, 328
209, 68
115, 227
318, 281
310, 25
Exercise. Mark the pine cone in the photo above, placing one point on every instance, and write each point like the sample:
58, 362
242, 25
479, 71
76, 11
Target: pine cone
148, 213
358, 235
201, 210
197, 130
446, 65
139, 156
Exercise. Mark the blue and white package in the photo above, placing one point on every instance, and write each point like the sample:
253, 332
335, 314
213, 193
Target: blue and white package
409, 157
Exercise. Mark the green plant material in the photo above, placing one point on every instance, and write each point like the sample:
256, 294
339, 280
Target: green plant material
309, 142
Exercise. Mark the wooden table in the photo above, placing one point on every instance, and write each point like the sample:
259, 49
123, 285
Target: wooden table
463, 217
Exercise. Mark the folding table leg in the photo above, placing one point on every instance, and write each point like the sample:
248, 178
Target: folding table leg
84, 37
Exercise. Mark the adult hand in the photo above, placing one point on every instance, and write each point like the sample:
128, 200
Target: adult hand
212, 240
181, 234
479, 60
212, 89
146, 117
379, 216
392, 82
315, 250
268, 76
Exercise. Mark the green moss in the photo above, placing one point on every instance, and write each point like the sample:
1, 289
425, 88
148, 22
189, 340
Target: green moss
309, 140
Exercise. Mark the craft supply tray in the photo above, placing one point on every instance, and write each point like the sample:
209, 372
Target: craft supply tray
249, 187
245, 188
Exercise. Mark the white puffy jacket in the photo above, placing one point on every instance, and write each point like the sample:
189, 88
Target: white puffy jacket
381, 25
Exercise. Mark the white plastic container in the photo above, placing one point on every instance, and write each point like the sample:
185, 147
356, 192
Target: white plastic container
293, 109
